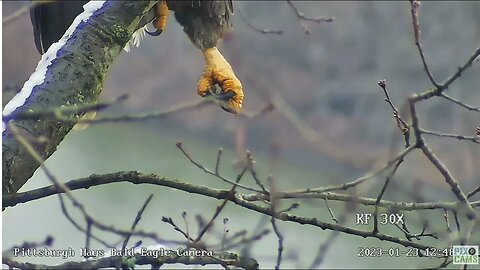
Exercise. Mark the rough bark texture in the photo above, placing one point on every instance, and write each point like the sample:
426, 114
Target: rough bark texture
76, 76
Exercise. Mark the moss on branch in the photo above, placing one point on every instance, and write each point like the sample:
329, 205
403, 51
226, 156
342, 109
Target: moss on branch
75, 77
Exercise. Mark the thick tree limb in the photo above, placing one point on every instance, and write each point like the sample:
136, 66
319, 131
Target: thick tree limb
75, 77
229, 259
139, 178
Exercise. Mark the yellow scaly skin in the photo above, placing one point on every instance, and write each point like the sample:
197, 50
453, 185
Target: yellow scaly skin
218, 71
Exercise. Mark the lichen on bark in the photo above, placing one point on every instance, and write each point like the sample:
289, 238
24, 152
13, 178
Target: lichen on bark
75, 77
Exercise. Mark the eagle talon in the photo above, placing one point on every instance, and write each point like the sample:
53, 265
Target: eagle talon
160, 21
219, 72
225, 96
155, 33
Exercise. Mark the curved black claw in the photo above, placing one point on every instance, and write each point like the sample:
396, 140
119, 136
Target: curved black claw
226, 96
156, 32
227, 109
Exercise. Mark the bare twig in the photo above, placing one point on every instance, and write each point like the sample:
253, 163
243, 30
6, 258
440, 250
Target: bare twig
246, 241
301, 17
253, 172
460, 70
402, 125
379, 198
64, 189
415, 5
453, 136
473, 192
344, 186
32, 245
60, 113
460, 103
457, 222
273, 204
330, 209
417, 236
137, 220
219, 208
291, 207
188, 156
323, 249
447, 221
138, 178
250, 115
88, 235
471, 214
170, 221
257, 29
76, 225
217, 165
11, 200
224, 258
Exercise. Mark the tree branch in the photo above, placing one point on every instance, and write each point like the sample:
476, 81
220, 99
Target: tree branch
82, 62
116, 261
139, 178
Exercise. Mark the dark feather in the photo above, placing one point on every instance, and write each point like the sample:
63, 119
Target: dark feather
203, 21
51, 20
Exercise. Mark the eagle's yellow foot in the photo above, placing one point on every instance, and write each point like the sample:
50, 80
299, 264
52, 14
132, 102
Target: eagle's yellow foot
218, 71
161, 16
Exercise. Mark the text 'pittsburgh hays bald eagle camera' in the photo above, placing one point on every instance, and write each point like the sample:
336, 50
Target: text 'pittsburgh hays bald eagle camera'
204, 21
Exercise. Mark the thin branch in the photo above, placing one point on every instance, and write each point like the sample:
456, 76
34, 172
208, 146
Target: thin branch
38, 92
471, 214
64, 189
415, 5
61, 112
382, 192
75, 223
188, 156
323, 249
439, 90
219, 208
347, 185
217, 164
138, 178
330, 209
460, 103
457, 222
246, 241
402, 125
32, 245
473, 192
417, 236
88, 235
453, 136
141, 259
250, 115
11, 200
138, 217
254, 174
257, 29
461, 69
170, 221
301, 18
273, 206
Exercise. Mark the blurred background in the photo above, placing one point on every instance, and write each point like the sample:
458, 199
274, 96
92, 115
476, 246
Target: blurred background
341, 126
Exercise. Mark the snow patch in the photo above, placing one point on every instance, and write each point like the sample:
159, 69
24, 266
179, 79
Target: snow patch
38, 77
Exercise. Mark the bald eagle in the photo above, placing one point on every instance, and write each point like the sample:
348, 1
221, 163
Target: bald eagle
204, 21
